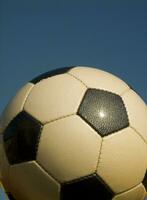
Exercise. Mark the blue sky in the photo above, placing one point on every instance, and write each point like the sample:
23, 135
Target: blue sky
39, 35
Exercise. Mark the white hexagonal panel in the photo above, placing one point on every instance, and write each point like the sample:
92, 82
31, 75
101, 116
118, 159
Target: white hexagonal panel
137, 112
136, 193
55, 97
69, 148
123, 160
33, 181
95, 78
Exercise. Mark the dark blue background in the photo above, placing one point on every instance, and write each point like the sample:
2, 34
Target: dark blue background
39, 35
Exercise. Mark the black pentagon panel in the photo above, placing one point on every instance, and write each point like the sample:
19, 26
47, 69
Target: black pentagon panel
144, 182
87, 188
21, 138
50, 74
104, 111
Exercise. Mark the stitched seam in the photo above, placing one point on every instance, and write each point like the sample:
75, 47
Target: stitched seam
54, 120
77, 79
138, 134
26, 97
128, 189
38, 140
77, 179
100, 153
49, 174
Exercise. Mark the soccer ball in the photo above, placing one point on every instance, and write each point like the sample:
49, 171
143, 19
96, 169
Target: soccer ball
75, 133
